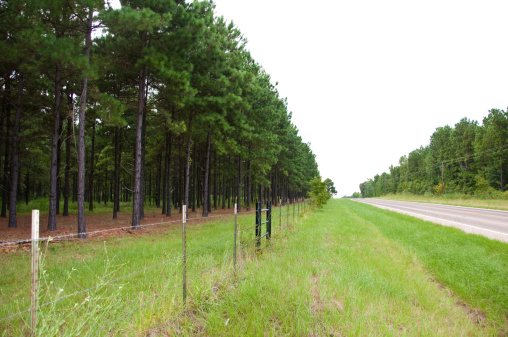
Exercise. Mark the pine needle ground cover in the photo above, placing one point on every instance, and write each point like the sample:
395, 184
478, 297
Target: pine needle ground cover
354, 270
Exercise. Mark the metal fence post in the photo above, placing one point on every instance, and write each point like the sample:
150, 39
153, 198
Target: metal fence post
234, 256
35, 267
184, 243
280, 215
269, 219
258, 224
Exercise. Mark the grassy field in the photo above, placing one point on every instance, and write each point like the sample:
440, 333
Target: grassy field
452, 199
348, 269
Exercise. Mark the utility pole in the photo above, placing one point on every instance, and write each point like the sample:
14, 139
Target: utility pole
442, 177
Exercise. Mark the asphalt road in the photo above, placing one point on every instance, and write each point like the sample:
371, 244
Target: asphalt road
487, 222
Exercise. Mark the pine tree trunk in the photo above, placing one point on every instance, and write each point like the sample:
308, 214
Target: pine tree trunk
143, 155
223, 185
215, 182
54, 151
206, 191
275, 187
249, 180
209, 190
158, 183
116, 201
136, 201
13, 198
91, 173
5, 120
27, 185
81, 134
187, 168
67, 165
168, 174
261, 190
58, 168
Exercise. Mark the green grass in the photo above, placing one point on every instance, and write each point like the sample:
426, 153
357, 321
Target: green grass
70, 267
354, 270
454, 200
347, 269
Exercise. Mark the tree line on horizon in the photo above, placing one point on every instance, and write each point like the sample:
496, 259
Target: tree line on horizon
157, 102
467, 159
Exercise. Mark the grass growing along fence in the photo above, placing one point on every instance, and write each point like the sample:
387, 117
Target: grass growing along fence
349, 269
129, 282
353, 270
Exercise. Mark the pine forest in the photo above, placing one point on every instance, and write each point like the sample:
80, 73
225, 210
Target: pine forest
158, 103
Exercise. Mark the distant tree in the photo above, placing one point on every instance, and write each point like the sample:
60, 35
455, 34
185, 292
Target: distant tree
330, 187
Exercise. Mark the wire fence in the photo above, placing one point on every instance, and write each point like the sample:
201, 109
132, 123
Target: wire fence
223, 246
75, 235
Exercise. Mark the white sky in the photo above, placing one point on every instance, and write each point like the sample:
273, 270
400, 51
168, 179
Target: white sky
369, 81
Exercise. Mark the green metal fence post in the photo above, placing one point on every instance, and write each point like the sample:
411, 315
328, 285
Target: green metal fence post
269, 219
258, 224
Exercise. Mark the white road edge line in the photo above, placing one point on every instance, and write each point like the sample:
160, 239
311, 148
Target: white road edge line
445, 205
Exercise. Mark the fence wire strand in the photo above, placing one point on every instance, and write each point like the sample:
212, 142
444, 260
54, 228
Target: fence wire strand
242, 246
121, 277
51, 238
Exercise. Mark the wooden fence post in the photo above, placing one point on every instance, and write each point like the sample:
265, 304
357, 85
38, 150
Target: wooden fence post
35, 267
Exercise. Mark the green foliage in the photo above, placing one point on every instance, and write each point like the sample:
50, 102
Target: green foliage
471, 159
330, 187
318, 192
183, 69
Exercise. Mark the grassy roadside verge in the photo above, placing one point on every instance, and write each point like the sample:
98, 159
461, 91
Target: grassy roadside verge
134, 281
351, 269
453, 200
348, 269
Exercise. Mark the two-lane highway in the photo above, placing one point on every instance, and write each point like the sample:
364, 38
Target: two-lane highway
487, 222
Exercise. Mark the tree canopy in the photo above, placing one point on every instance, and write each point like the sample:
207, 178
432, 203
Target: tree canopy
157, 102
469, 159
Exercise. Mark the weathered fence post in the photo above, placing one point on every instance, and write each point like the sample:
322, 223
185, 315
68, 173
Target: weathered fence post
35, 267
184, 244
234, 256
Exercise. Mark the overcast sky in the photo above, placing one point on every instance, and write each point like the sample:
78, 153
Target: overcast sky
369, 81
